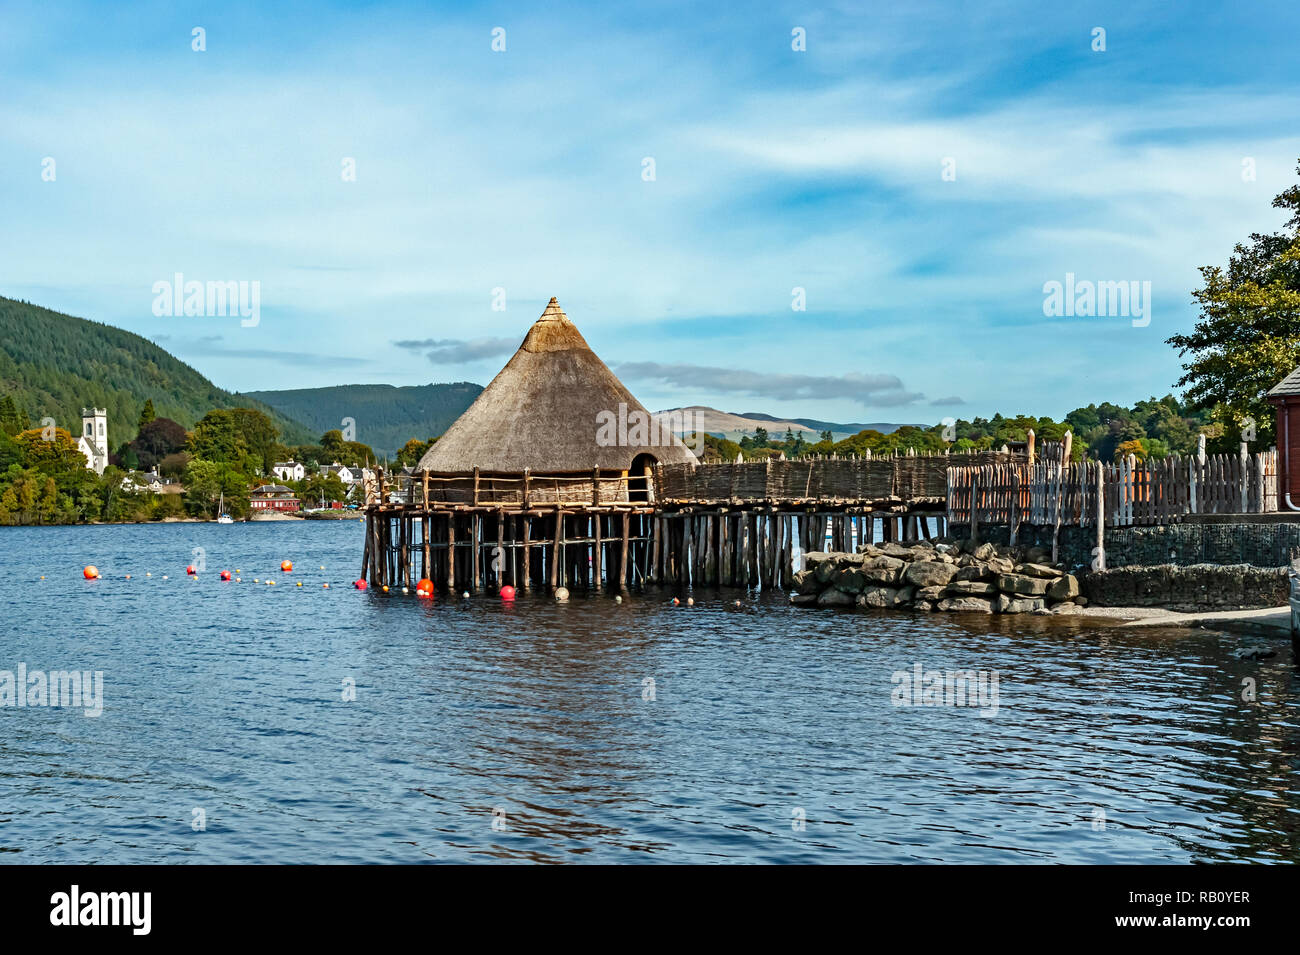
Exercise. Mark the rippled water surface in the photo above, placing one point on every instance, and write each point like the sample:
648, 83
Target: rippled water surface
1107, 745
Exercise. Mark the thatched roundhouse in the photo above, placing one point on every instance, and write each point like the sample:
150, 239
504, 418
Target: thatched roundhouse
556, 413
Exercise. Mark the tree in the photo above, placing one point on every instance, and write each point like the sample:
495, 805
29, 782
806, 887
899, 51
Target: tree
322, 489
412, 451
147, 414
1248, 336
12, 420
760, 437
50, 450
157, 439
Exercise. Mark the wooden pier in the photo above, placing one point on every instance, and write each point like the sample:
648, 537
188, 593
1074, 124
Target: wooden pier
720, 525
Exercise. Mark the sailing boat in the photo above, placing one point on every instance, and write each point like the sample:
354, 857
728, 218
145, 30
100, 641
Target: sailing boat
222, 516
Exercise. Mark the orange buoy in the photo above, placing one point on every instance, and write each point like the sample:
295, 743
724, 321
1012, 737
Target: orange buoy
507, 592
359, 584
91, 572
424, 588
225, 575
286, 565
190, 570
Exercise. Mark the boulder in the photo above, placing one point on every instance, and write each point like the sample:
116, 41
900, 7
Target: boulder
966, 605
883, 570
973, 572
984, 552
971, 588
1001, 565
834, 598
930, 594
1039, 570
1020, 605
893, 549
849, 579
929, 573
1022, 585
1065, 587
879, 597
1081, 600
924, 605
1068, 607
805, 582
803, 600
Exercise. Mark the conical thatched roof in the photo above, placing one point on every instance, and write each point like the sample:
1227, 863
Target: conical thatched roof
541, 412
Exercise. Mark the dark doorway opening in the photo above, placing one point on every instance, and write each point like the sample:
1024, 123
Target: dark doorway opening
638, 478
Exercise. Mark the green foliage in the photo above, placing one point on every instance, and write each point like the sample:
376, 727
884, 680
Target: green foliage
1248, 336
54, 364
319, 490
386, 416
12, 420
334, 448
242, 438
412, 451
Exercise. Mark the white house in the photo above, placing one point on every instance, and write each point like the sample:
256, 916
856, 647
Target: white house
345, 473
288, 470
93, 442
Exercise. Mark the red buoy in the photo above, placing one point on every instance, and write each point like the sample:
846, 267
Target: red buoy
359, 583
424, 588
190, 570
225, 575
91, 572
507, 592
286, 565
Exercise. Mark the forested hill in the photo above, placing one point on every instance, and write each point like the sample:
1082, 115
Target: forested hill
386, 416
54, 365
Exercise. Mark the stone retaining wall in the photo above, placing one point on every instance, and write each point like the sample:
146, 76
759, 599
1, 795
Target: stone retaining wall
1196, 588
1183, 545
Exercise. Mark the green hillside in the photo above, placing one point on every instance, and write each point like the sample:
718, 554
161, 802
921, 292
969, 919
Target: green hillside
386, 416
54, 365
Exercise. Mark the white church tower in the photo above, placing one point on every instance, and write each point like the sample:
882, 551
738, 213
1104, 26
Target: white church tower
94, 434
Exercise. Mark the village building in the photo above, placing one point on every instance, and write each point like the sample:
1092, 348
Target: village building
93, 442
289, 470
1285, 398
344, 473
273, 497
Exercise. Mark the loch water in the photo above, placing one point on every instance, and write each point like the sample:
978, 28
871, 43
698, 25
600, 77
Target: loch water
531, 731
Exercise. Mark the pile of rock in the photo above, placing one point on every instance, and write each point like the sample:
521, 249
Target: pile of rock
945, 575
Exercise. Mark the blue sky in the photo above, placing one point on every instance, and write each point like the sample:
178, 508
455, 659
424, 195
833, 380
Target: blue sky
774, 169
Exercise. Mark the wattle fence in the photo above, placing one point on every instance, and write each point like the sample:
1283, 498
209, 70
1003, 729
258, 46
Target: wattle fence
1132, 493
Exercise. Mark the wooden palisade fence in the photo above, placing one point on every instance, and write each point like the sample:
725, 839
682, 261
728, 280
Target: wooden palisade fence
1133, 493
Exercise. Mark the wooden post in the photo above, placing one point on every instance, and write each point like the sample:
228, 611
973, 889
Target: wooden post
1060, 493
622, 560
555, 548
528, 563
596, 561
1100, 562
476, 538
499, 559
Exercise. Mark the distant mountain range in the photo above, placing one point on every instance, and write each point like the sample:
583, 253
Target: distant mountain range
733, 426
385, 416
53, 365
